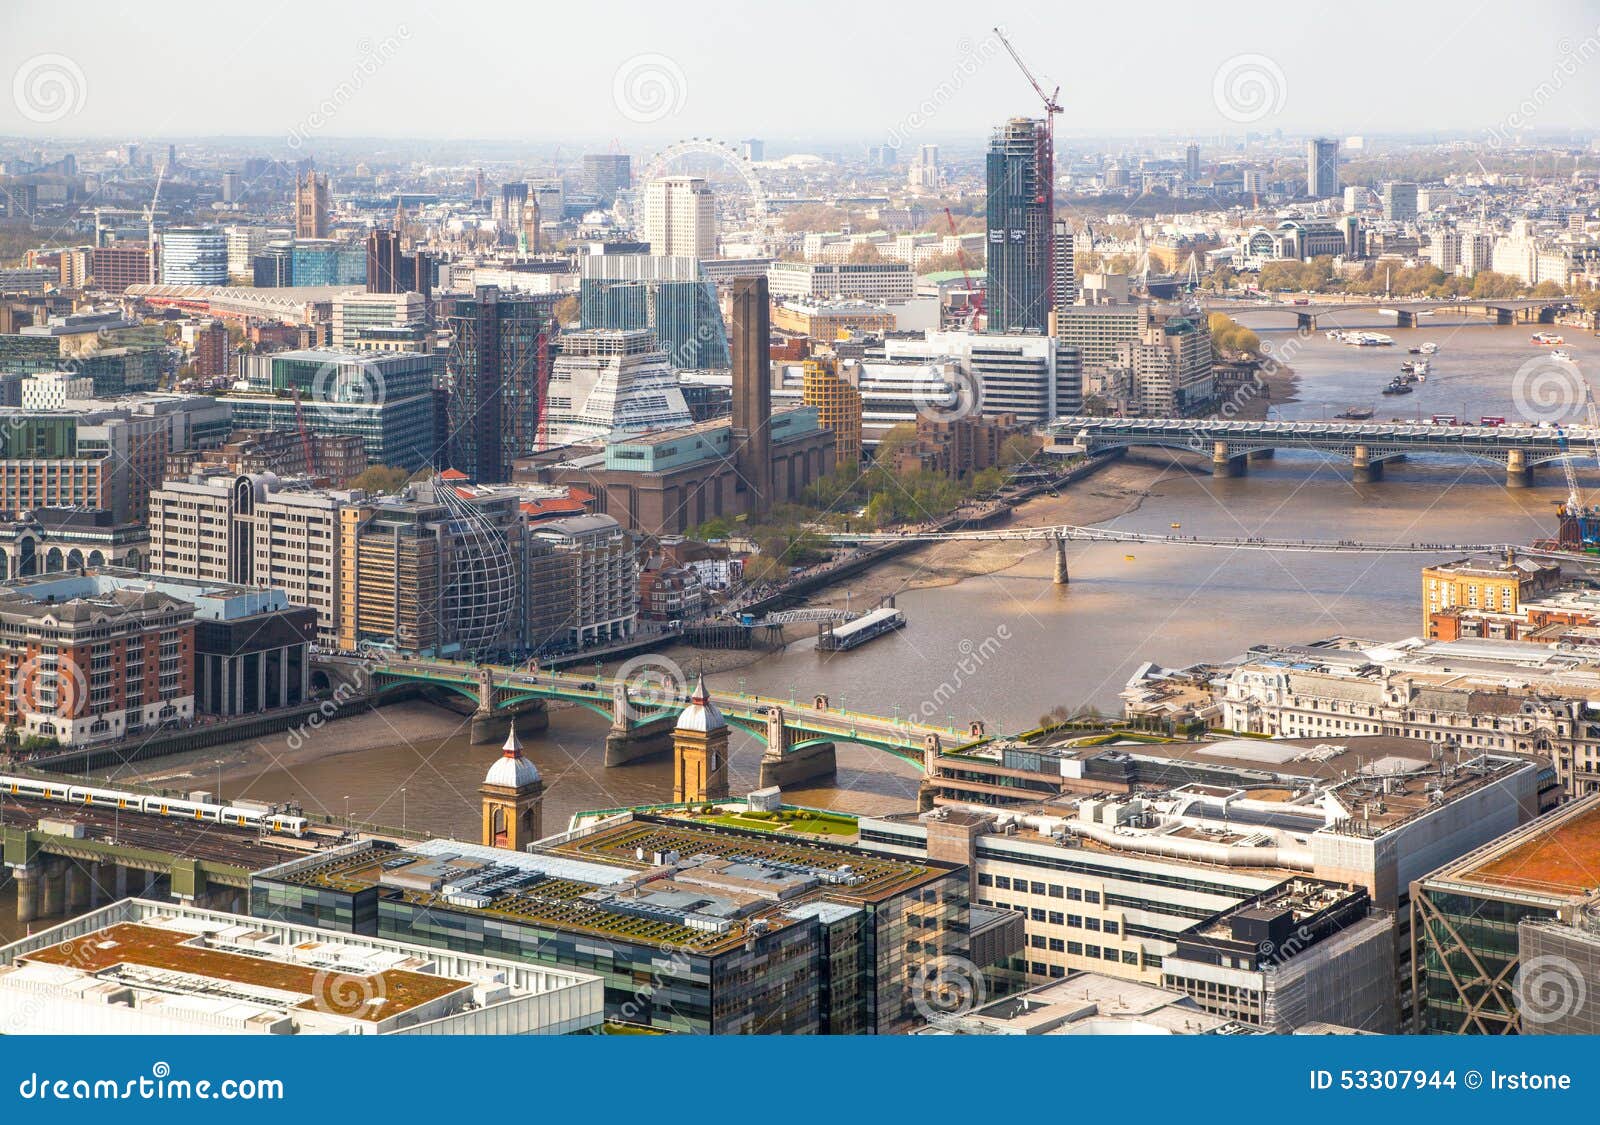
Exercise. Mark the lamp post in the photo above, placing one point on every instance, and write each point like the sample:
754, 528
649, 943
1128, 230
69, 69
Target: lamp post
402, 809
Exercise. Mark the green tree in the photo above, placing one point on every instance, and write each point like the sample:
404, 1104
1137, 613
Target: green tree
880, 509
381, 478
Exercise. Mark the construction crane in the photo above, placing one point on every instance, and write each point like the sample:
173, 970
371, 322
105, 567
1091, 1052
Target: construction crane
1046, 160
1580, 525
150, 222
974, 297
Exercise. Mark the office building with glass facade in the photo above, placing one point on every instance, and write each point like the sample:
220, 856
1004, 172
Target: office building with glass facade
325, 261
693, 927
499, 360
684, 315
387, 399
194, 256
1468, 920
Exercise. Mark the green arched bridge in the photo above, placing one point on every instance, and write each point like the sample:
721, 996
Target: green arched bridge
642, 714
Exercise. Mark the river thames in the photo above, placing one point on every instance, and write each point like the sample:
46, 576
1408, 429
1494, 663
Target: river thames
1007, 646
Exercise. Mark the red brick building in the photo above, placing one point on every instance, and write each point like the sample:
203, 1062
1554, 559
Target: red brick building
93, 661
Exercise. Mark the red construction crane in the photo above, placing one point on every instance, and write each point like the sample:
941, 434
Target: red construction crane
974, 296
1046, 160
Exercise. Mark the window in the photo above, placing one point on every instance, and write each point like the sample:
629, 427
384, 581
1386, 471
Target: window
1056, 918
1038, 968
1036, 941
1075, 948
1037, 915
1057, 971
1129, 957
1091, 923
1075, 920
1091, 951
1036, 888
1074, 894
1057, 945
1056, 889
985, 880
1091, 896
1110, 954
1111, 927
1002, 882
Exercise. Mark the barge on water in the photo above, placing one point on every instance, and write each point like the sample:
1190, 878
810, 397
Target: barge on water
843, 638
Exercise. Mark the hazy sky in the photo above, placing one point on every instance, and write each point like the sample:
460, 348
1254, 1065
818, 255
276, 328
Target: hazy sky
863, 70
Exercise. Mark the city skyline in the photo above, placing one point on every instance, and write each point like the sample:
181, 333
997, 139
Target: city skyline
394, 71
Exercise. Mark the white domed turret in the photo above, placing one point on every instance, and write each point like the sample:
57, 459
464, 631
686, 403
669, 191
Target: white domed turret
511, 770
701, 715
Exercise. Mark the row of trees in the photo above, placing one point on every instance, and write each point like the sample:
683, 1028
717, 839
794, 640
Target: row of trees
1230, 338
855, 497
1378, 278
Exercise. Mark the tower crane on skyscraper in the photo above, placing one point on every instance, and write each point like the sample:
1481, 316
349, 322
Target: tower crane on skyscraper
150, 222
1047, 166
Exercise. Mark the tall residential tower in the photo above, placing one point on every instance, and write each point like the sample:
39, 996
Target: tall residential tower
1019, 220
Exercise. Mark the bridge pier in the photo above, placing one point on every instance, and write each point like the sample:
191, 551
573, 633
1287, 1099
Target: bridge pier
1222, 465
1062, 578
99, 884
1306, 321
1518, 472
52, 890
809, 763
77, 887
27, 877
1364, 470
1405, 318
493, 726
643, 740
786, 768
927, 791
